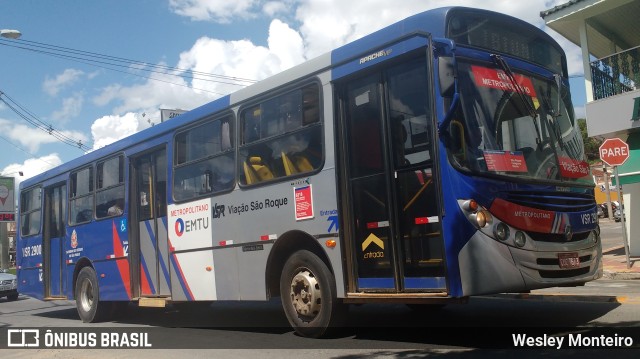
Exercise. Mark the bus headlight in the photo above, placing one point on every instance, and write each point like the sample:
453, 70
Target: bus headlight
520, 239
475, 213
501, 231
482, 218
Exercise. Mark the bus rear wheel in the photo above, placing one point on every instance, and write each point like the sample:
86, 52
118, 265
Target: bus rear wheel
308, 293
90, 308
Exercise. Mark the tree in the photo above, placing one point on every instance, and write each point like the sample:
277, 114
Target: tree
591, 144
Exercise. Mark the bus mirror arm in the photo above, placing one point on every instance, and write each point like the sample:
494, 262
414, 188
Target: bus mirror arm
447, 80
443, 128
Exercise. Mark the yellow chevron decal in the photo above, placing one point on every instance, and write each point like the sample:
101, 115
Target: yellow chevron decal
372, 239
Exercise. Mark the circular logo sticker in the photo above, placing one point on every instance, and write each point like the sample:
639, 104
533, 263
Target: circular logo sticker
179, 227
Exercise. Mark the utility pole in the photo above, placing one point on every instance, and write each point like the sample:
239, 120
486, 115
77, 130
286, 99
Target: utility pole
4, 246
608, 191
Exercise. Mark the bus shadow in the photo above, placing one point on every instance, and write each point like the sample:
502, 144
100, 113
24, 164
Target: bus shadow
485, 322
249, 316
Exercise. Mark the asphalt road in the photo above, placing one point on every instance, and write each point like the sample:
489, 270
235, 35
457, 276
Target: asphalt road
485, 325
610, 233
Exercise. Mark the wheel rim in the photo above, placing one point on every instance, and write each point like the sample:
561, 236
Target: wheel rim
86, 295
306, 295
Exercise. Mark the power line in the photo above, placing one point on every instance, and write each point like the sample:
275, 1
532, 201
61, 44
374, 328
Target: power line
33, 120
102, 61
108, 62
135, 62
25, 151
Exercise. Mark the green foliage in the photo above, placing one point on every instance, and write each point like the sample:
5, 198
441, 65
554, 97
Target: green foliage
591, 144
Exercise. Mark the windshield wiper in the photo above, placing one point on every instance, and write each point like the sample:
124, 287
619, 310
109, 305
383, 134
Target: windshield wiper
553, 125
516, 88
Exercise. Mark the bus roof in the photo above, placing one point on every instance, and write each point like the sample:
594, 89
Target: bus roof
432, 22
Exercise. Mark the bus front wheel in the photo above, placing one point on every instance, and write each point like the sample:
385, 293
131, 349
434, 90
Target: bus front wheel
88, 303
308, 293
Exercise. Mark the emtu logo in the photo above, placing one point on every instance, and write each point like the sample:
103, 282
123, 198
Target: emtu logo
179, 227
188, 225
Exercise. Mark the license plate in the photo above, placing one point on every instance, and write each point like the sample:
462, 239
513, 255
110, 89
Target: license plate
569, 260
3, 288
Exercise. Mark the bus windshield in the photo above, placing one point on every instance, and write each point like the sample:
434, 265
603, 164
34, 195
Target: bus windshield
516, 125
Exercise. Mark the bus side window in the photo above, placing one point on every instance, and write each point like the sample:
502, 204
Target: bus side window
291, 139
109, 188
204, 158
30, 212
81, 196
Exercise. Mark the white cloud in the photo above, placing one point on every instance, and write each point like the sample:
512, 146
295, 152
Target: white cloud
109, 129
31, 138
216, 10
32, 167
71, 107
54, 85
273, 8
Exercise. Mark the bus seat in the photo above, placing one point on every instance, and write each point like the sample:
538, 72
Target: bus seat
261, 170
249, 174
289, 168
303, 164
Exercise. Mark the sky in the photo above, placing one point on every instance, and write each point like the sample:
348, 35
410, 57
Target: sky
94, 104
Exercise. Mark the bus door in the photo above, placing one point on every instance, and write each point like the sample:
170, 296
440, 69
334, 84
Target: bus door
149, 253
393, 209
55, 200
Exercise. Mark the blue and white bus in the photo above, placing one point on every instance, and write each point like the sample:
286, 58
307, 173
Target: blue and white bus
433, 160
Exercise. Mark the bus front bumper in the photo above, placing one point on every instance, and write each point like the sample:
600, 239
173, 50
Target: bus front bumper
488, 266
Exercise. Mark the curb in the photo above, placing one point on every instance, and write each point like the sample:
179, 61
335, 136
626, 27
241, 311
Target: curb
559, 297
620, 275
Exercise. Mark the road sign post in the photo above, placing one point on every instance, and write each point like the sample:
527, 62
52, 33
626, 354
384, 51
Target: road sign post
615, 152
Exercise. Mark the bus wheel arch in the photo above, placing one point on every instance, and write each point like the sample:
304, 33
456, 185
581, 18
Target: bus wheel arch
287, 244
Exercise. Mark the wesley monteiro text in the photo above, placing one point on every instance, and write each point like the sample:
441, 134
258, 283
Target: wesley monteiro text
572, 341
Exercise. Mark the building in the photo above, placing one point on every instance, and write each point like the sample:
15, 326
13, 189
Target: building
608, 32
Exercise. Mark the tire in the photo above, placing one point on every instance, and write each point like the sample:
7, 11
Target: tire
12, 297
90, 308
308, 292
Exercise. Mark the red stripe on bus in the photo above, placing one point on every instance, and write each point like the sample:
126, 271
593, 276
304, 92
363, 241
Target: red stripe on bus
144, 282
122, 263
